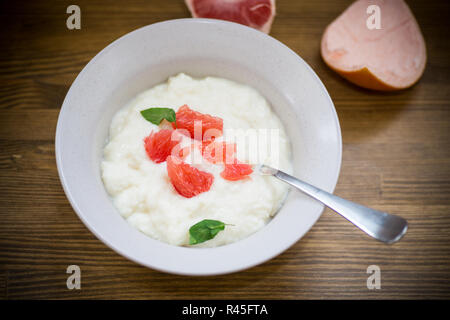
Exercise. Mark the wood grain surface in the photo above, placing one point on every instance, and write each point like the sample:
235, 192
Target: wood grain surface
396, 158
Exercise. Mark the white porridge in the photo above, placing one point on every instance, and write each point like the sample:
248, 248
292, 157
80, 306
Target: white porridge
142, 190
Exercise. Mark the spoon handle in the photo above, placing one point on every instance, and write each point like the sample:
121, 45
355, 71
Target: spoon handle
380, 225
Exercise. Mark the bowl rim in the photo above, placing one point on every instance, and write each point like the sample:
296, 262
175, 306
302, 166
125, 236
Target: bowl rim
224, 24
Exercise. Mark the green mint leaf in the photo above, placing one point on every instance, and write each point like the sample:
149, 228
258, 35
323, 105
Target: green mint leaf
205, 230
156, 115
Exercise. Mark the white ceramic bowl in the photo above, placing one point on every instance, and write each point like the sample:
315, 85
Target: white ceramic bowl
198, 47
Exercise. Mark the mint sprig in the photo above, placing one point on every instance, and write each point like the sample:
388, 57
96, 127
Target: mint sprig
156, 115
205, 230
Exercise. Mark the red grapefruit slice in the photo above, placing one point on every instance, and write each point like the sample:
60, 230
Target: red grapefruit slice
390, 58
187, 119
236, 171
158, 145
218, 152
257, 14
187, 180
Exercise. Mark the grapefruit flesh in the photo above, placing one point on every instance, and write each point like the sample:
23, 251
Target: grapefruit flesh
218, 152
390, 58
188, 119
257, 14
158, 145
187, 180
236, 171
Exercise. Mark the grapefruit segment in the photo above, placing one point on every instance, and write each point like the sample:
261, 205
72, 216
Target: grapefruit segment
189, 120
390, 58
158, 145
187, 180
236, 171
218, 152
257, 14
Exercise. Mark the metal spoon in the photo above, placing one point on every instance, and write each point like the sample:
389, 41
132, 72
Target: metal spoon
382, 226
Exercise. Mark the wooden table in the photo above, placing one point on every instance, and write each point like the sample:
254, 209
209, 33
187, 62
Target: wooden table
396, 158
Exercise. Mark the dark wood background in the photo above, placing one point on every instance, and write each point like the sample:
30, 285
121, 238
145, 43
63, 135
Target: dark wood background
396, 158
